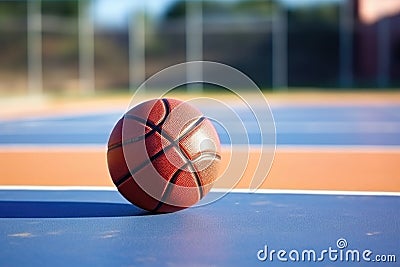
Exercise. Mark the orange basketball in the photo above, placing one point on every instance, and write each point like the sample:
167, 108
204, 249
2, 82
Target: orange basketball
163, 155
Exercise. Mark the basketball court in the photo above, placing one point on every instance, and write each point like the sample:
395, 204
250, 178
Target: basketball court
331, 195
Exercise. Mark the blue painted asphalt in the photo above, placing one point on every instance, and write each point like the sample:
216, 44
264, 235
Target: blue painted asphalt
87, 228
99, 228
295, 125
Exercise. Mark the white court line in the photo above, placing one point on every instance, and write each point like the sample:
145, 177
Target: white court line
305, 192
215, 190
337, 148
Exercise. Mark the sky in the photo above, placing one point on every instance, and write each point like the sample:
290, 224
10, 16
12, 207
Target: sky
115, 13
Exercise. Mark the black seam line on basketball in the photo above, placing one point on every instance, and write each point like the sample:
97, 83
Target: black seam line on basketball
159, 153
202, 157
140, 166
167, 110
206, 154
190, 164
197, 179
186, 157
149, 123
188, 160
129, 141
132, 140
174, 178
163, 134
153, 130
174, 143
153, 127
168, 189
144, 163
192, 127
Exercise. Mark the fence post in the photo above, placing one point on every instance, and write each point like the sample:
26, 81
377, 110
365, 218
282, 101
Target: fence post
346, 30
34, 43
86, 48
383, 53
280, 49
137, 49
194, 42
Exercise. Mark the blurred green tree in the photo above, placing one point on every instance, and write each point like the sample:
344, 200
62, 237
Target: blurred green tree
253, 7
256, 7
178, 9
327, 14
12, 8
67, 8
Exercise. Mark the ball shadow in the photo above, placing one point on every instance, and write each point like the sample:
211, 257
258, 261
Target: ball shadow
50, 209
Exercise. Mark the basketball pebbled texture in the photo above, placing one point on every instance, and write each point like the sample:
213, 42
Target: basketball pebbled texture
163, 155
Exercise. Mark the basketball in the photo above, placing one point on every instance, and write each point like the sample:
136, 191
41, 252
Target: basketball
163, 155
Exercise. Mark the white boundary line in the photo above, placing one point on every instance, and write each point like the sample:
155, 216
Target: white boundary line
215, 190
306, 192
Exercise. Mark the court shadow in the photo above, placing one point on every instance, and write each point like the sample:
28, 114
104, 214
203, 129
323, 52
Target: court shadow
47, 209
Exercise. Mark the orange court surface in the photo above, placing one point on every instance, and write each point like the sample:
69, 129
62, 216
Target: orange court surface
332, 167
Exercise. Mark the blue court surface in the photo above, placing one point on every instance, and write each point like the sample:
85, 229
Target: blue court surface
377, 125
97, 227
